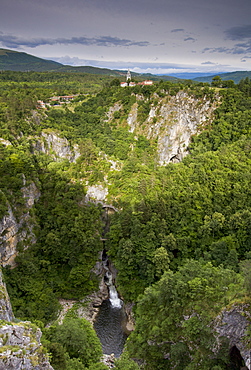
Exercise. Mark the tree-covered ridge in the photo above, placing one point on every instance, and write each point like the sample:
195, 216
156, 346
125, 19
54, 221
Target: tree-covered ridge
59, 264
175, 327
191, 210
18, 61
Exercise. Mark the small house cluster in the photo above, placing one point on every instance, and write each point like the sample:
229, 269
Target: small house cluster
56, 100
63, 98
128, 81
131, 83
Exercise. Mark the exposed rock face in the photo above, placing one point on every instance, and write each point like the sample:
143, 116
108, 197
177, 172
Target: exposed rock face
13, 231
112, 110
57, 147
173, 121
20, 348
5, 306
132, 118
233, 324
96, 192
5, 142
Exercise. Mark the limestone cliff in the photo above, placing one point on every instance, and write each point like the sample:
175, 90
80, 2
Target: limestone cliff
15, 231
232, 324
173, 121
5, 305
97, 193
57, 147
20, 346
21, 349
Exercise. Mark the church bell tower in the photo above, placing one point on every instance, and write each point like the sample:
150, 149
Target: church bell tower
128, 75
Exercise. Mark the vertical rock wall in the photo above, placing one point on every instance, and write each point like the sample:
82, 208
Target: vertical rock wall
20, 346
13, 230
172, 122
232, 324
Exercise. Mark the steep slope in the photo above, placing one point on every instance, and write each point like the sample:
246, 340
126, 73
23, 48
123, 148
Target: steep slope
17, 61
172, 122
20, 345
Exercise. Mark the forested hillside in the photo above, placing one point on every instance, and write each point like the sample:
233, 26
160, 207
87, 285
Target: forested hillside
234, 76
174, 160
11, 60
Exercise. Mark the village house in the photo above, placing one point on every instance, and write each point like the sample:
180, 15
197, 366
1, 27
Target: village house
130, 83
143, 83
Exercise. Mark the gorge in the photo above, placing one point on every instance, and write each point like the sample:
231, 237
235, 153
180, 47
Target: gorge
111, 320
135, 197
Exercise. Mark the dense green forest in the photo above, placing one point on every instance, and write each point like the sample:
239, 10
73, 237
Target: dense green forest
181, 240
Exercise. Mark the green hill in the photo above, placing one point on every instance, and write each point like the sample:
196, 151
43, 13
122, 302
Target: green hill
92, 70
22, 62
18, 61
15, 61
235, 76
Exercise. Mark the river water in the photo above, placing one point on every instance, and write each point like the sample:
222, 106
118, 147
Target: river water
110, 324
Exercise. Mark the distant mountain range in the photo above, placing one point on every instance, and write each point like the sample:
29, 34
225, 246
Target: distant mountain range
11, 60
235, 76
22, 62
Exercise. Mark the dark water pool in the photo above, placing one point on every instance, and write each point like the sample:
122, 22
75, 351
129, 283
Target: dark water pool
110, 328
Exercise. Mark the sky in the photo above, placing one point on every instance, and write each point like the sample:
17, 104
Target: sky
155, 36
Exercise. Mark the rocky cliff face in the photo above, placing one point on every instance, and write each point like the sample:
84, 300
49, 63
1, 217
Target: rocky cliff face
14, 231
5, 305
232, 324
57, 147
173, 121
21, 349
97, 193
20, 346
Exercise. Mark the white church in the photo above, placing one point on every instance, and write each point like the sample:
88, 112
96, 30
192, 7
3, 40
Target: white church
128, 81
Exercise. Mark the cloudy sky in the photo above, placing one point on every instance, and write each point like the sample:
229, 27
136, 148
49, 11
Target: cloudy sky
157, 36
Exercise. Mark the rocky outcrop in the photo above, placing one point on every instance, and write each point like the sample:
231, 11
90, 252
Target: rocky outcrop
15, 231
5, 142
97, 193
5, 305
232, 324
172, 122
20, 346
57, 147
21, 349
112, 110
109, 360
132, 118
88, 307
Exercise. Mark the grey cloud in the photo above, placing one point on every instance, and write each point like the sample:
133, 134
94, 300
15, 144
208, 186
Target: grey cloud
208, 63
189, 39
241, 48
245, 59
217, 50
16, 42
178, 30
239, 33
